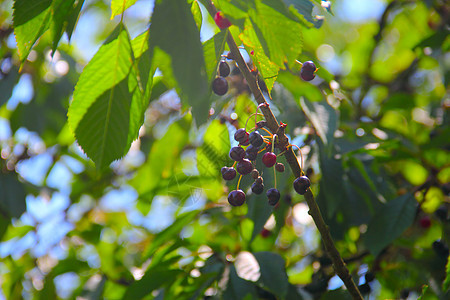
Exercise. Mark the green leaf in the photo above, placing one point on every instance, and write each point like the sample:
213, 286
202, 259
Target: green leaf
171, 232
118, 7
390, 222
107, 109
238, 288
31, 20
280, 36
213, 154
154, 278
267, 269
267, 68
212, 50
7, 84
446, 283
303, 9
4, 223
61, 10
12, 195
73, 18
174, 31
197, 13
323, 117
163, 158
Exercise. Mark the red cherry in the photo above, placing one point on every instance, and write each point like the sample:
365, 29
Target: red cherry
425, 222
265, 233
221, 21
269, 159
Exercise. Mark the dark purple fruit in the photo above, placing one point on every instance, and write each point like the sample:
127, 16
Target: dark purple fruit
309, 66
259, 180
244, 143
308, 71
236, 197
237, 153
301, 184
251, 155
307, 76
273, 195
220, 86
255, 139
279, 167
269, 159
228, 173
255, 174
257, 188
241, 135
224, 69
244, 167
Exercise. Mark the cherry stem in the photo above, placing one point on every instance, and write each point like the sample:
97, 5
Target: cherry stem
275, 176
301, 156
273, 143
239, 182
255, 114
270, 133
235, 162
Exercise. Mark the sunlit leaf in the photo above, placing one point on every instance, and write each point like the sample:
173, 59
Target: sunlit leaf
163, 158
119, 6
107, 109
197, 13
213, 154
212, 50
31, 20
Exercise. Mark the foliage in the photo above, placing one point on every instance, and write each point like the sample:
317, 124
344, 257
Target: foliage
110, 181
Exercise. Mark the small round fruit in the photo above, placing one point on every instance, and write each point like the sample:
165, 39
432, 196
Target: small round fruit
364, 288
279, 167
228, 173
251, 155
255, 174
425, 222
369, 277
309, 66
259, 180
236, 197
257, 188
244, 143
273, 195
224, 69
244, 167
241, 135
307, 75
265, 232
301, 184
237, 153
269, 159
256, 139
220, 86
221, 21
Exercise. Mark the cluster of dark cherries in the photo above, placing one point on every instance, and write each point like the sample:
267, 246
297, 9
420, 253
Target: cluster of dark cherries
254, 142
244, 165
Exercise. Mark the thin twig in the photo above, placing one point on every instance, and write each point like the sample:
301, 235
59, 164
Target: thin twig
283, 144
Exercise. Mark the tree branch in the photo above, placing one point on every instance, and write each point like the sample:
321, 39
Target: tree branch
274, 126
